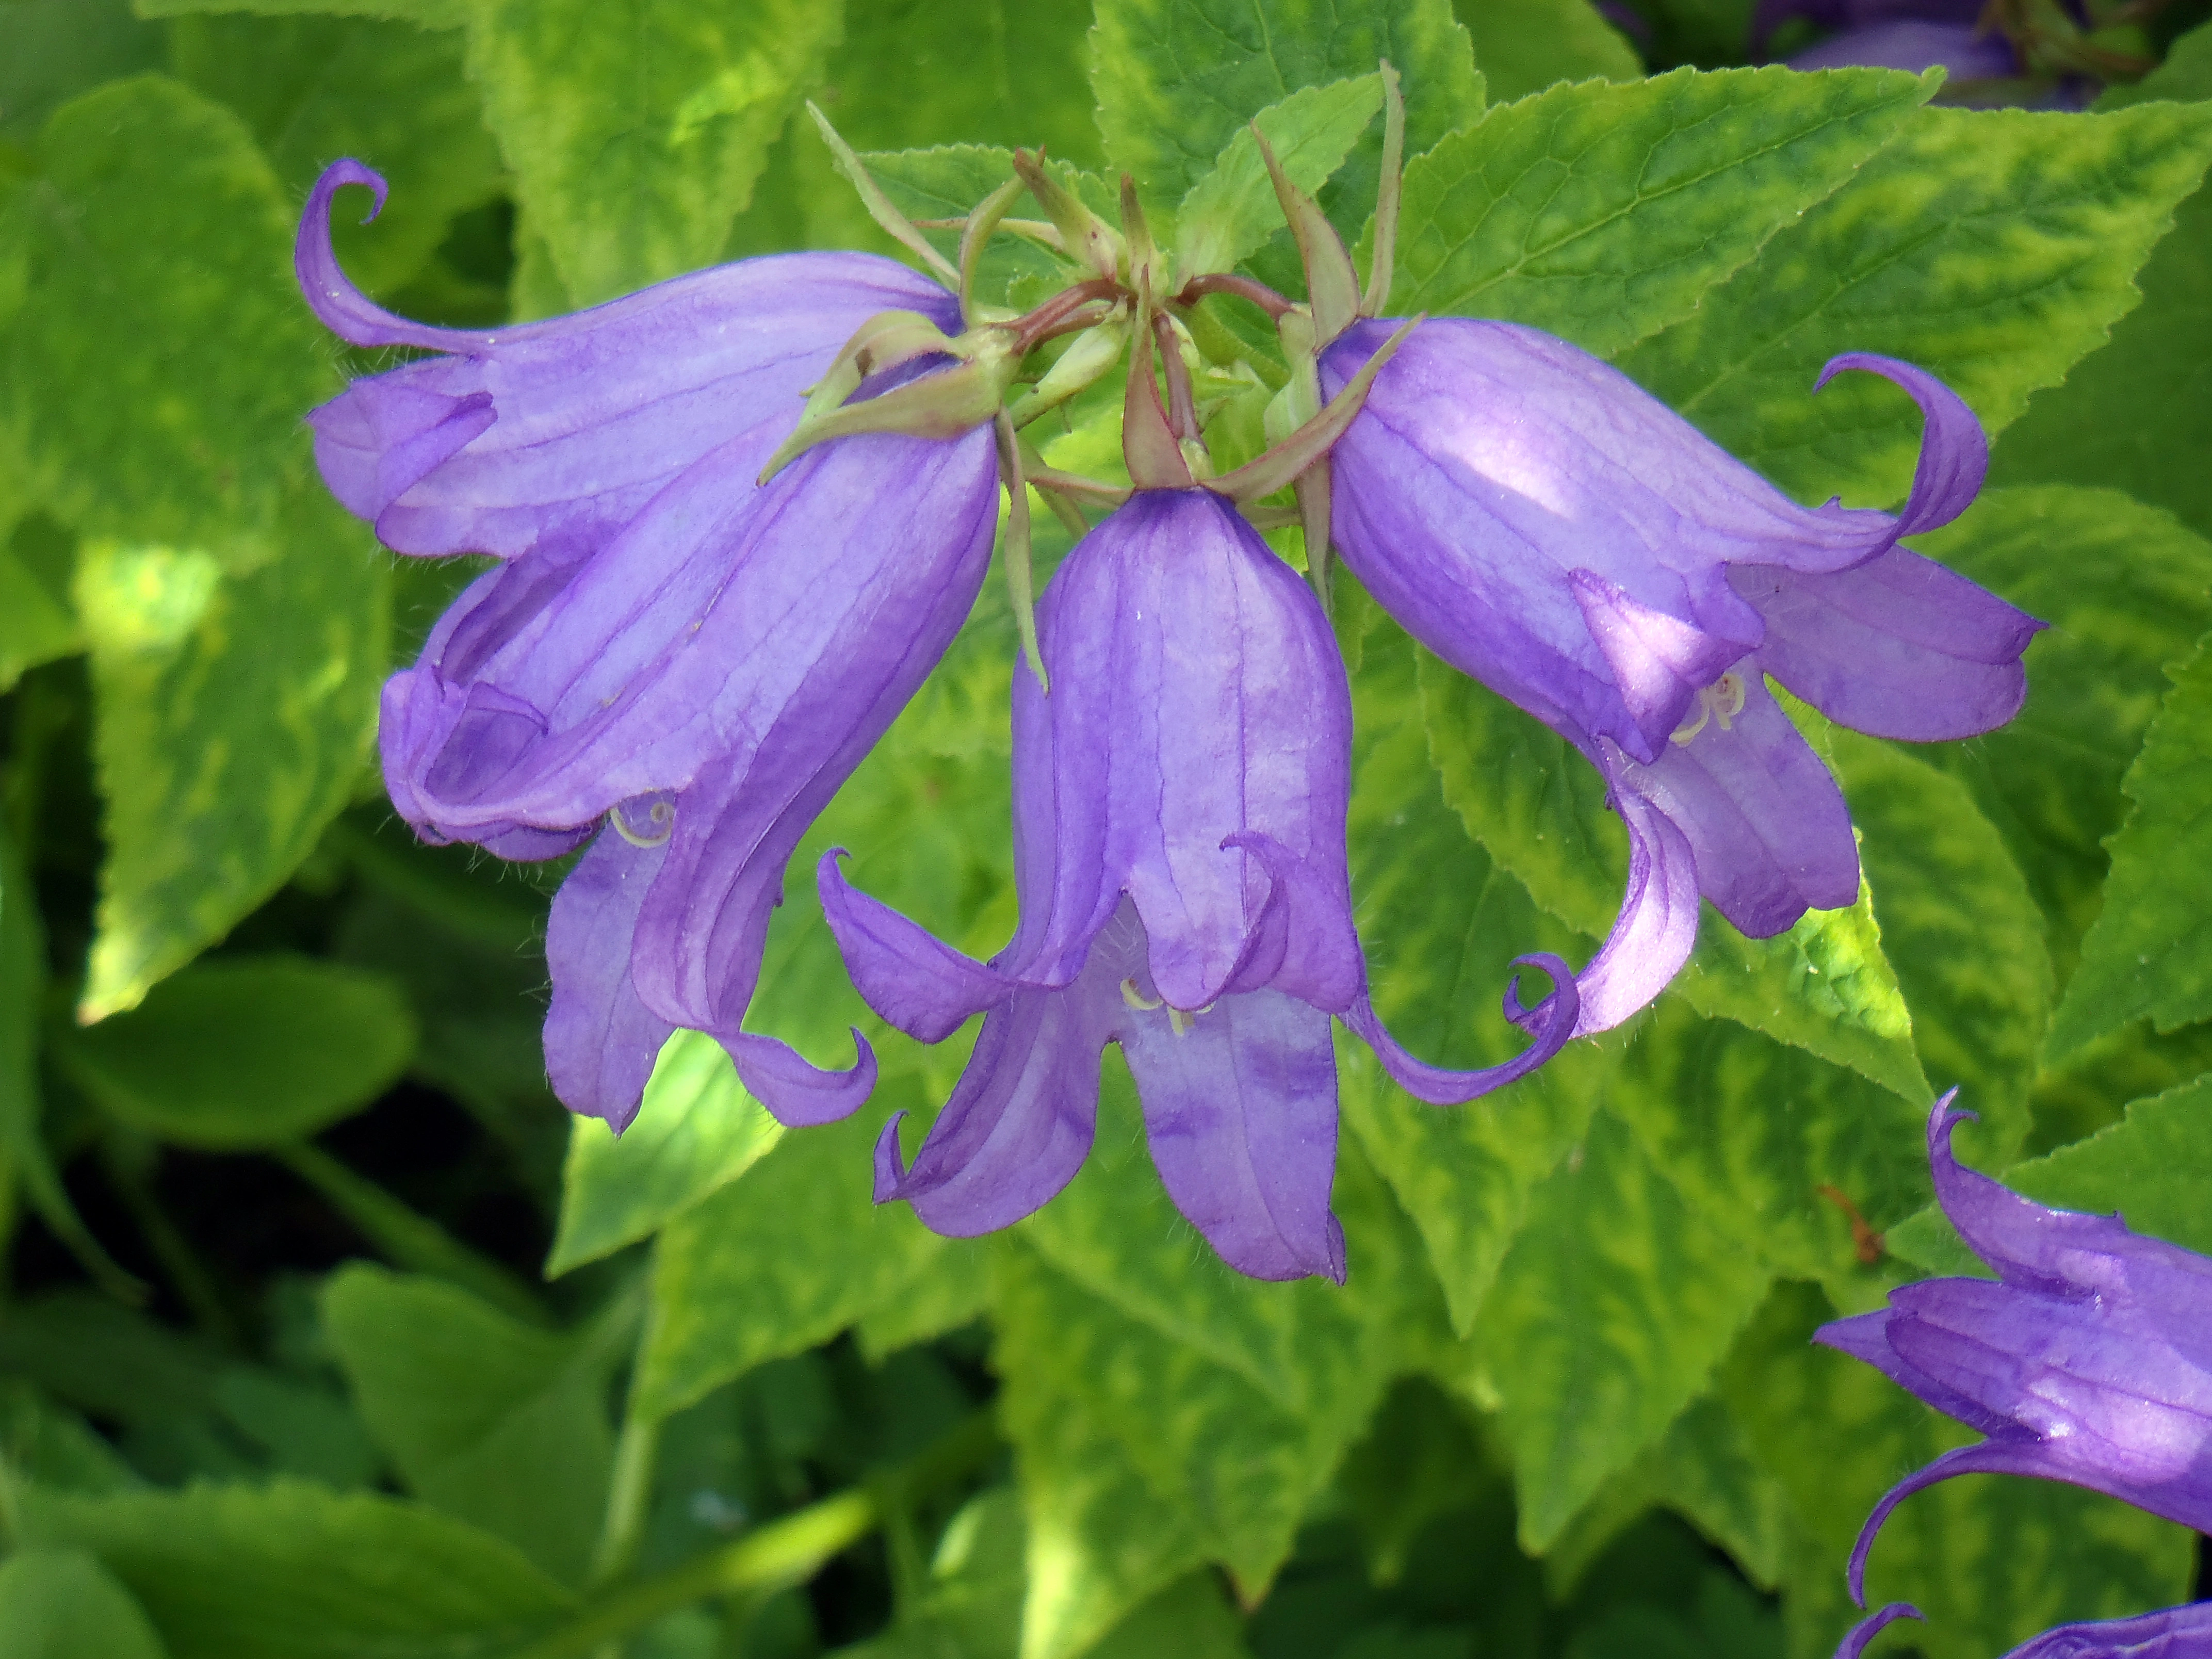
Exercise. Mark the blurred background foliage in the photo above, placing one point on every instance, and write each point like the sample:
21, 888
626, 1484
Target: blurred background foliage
325, 1333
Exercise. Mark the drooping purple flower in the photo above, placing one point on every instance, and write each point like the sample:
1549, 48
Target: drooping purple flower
2184, 1632
1546, 525
1918, 35
1179, 824
671, 656
2088, 1360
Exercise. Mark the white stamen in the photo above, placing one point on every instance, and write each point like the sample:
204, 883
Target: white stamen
1722, 699
1136, 999
661, 815
1179, 1021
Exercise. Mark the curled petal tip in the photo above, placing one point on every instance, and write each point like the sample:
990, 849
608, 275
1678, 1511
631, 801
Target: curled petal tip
890, 1167
1866, 1629
797, 1093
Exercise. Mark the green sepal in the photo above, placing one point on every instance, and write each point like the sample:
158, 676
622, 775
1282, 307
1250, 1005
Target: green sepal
941, 405
1332, 284
1092, 352
1087, 239
1283, 464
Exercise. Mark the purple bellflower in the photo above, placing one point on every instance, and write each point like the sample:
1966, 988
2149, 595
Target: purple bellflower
1984, 65
1179, 825
1546, 525
2088, 1360
671, 661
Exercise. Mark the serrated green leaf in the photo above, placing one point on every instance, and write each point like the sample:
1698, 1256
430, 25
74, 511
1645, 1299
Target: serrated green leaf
289, 1570
63, 1604
782, 1257
313, 89
233, 714
1440, 922
1991, 248
1603, 213
161, 361
1100, 1540
698, 1131
1608, 1315
1751, 1132
2127, 591
1525, 46
2092, 429
496, 1423
946, 183
1232, 210
1964, 933
1538, 808
1992, 1560
635, 132
1230, 1397
2150, 952
2149, 1169
245, 1052
1176, 79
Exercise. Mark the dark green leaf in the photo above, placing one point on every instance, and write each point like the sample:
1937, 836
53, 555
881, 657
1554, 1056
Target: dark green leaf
247, 1052
497, 1422
2092, 430
37, 624
63, 1604
289, 1570
2050, 779
1525, 46
314, 88
2150, 952
1603, 213
1991, 248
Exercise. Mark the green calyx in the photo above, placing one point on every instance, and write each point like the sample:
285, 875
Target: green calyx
969, 394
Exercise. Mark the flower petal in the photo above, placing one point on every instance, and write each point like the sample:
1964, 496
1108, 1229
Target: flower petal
1900, 646
1198, 695
1763, 818
1955, 450
902, 970
1658, 661
1855, 1642
601, 1040
2183, 1632
594, 411
798, 1094
1240, 1112
1019, 1122
1656, 931
1554, 1019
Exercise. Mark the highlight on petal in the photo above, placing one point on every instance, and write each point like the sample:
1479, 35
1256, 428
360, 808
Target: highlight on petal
1553, 1018
2183, 1632
1658, 660
1653, 935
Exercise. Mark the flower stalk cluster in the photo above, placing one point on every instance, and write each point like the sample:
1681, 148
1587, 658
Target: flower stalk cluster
739, 517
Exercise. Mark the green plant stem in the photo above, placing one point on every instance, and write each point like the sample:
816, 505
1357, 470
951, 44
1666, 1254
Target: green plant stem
785, 1551
127, 1166
628, 1497
409, 1240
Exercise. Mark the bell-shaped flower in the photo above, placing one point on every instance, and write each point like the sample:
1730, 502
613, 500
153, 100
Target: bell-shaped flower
1179, 824
671, 655
2088, 1359
1543, 523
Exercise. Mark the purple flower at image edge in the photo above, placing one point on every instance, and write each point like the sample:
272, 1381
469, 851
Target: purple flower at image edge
1179, 829
2088, 1360
1548, 527
672, 662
